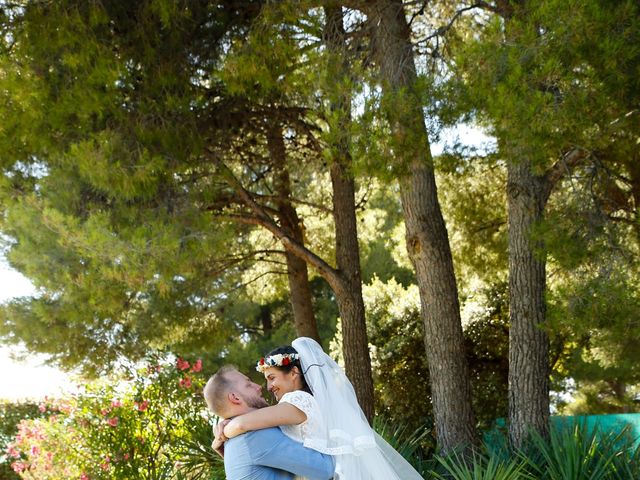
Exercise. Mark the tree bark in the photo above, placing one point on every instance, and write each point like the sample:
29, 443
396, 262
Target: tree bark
297, 273
426, 233
527, 195
351, 306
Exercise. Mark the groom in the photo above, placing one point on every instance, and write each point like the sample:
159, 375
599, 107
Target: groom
266, 454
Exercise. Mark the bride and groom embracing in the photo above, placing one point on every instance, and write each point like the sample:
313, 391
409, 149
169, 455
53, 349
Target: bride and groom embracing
316, 431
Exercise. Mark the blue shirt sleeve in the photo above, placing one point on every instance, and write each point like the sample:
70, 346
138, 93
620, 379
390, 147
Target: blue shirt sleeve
272, 448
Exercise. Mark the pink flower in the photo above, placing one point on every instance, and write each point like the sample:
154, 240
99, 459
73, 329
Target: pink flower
105, 411
84, 476
116, 403
182, 364
185, 382
126, 456
113, 421
142, 406
42, 407
35, 451
13, 452
197, 366
106, 464
18, 467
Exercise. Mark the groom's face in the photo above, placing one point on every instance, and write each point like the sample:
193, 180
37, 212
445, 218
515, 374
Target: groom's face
249, 391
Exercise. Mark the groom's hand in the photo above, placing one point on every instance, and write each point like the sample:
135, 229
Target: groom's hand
218, 437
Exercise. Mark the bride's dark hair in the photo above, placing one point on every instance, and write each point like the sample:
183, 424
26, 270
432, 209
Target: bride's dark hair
287, 368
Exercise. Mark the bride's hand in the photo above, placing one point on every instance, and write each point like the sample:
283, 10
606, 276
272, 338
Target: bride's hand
234, 427
219, 437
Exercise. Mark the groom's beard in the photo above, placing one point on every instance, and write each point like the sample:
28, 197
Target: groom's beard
255, 402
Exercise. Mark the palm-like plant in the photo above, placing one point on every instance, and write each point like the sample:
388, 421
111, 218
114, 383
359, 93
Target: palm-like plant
579, 453
480, 467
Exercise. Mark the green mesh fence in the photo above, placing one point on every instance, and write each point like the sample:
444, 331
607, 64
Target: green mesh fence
605, 424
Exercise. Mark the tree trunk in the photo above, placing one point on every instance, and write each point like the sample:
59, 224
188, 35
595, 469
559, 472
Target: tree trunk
426, 233
351, 306
297, 272
528, 341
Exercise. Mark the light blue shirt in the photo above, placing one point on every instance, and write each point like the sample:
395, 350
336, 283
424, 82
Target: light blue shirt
269, 454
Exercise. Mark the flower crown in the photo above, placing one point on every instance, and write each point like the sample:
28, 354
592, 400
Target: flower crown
277, 360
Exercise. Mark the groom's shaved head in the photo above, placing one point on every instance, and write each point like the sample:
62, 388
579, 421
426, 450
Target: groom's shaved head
216, 390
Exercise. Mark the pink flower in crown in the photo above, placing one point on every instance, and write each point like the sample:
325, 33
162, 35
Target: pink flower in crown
126, 456
42, 407
105, 411
182, 364
84, 476
116, 404
35, 451
197, 366
142, 406
113, 421
185, 382
19, 467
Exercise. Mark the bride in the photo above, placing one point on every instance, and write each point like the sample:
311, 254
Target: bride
317, 406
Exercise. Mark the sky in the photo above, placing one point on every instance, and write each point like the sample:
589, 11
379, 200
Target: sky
28, 379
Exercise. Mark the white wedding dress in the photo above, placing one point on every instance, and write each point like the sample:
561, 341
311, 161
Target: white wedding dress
337, 426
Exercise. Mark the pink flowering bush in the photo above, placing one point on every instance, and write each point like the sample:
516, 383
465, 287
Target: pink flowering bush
152, 426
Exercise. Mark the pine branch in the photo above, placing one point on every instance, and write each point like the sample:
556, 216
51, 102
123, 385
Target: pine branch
261, 218
441, 31
563, 167
296, 201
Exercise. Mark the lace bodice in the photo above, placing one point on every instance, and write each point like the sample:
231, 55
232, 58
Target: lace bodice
312, 430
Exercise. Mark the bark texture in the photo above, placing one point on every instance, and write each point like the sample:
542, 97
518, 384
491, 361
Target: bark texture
426, 234
297, 273
527, 195
351, 305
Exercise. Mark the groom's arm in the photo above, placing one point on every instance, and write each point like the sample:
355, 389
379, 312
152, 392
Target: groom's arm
272, 448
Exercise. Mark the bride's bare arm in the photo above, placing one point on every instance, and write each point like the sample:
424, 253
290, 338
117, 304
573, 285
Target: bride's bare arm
280, 414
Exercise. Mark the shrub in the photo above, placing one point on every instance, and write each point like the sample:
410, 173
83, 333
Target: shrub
149, 424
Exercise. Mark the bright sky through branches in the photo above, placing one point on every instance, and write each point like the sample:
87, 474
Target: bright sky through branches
29, 378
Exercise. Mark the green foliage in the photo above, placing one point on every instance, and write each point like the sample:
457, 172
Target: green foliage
474, 205
401, 374
149, 424
552, 66
574, 453
486, 336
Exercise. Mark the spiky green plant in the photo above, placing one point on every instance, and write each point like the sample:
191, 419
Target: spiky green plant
480, 467
580, 453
